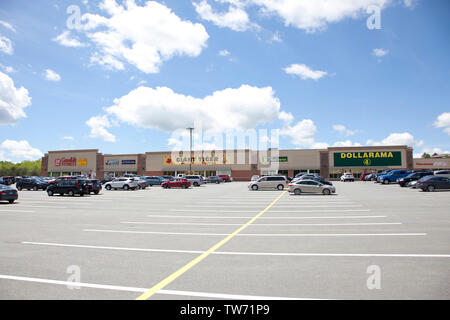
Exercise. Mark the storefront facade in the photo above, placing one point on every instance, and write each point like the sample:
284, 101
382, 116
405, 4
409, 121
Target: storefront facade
240, 164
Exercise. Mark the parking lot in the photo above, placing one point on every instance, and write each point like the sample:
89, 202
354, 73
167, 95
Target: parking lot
123, 243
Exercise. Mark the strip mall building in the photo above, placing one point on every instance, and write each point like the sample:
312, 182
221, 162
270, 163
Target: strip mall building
240, 164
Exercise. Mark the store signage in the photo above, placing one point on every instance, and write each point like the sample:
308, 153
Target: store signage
128, 162
82, 162
368, 159
199, 160
112, 162
275, 159
66, 162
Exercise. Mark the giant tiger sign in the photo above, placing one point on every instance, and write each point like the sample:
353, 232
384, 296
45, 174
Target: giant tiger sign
368, 159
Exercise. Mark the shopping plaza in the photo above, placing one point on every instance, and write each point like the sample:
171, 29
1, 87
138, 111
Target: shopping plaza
240, 164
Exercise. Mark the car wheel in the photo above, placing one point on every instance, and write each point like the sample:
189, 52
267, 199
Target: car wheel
326, 192
108, 187
50, 193
280, 187
81, 194
126, 187
96, 192
11, 201
71, 193
386, 181
255, 187
196, 184
35, 188
19, 188
184, 186
431, 188
297, 191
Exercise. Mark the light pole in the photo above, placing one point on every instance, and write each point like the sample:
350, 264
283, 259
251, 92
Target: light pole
190, 150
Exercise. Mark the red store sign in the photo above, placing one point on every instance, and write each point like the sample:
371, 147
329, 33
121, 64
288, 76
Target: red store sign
66, 162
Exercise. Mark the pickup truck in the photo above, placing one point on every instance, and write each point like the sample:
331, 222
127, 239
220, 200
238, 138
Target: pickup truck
392, 176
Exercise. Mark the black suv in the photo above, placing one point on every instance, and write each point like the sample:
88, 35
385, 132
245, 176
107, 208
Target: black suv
413, 176
94, 186
31, 184
69, 186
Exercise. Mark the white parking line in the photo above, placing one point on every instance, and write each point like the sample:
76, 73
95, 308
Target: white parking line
276, 206
288, 254
267, 224
11, 210
262, 234
28, 206
292, 211
247, 217
135, 289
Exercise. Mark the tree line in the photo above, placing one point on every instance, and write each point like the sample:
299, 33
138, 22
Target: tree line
24, 168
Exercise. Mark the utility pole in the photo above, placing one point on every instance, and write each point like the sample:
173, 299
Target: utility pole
190, 150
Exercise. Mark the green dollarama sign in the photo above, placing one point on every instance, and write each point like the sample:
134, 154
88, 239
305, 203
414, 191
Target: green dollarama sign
368, 159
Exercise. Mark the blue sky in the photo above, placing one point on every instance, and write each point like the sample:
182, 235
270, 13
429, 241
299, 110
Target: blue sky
129, 75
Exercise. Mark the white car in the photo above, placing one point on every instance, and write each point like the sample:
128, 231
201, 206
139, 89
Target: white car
122, 183
348, 176
443, 173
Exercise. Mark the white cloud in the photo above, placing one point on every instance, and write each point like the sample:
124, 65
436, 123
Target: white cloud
19, 150
67, 40
6, 45
12, 101
68, 138
304, 72
236, 18
224, 53
144, 36
343, 130
7, 69
276, 37
313, 15
302, 134
7, 25
443, 121
380, 52
51, 75
396, 139
98, 127
347, 143
163, 109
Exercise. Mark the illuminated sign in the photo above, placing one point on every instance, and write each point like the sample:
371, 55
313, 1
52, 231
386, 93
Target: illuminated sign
128, 162
112, 162
367, 159
198, 160
275, 159
82, 162
66, 162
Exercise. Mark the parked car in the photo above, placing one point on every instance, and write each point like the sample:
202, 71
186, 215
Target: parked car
68, 186
141, 183
381, 173
364, 175
8, 194
392, 176
122, 183
196, 181
348, 176
443, 173
413, 176
94, 186
107, 179
31, 184
154, 180
176, 183
225, 177
214, 179
432, 183
269, 183
167, 177
8, 180
371, 177
310, 186
3, 182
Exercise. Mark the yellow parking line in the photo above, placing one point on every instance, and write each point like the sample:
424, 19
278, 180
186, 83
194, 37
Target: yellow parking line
182, 270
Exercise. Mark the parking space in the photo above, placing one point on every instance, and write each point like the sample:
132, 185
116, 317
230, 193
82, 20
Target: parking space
119, 244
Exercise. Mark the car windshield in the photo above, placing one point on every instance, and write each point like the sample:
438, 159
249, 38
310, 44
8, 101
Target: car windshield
426, 178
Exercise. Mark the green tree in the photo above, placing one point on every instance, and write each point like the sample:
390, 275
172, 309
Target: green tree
426, 155
24, 168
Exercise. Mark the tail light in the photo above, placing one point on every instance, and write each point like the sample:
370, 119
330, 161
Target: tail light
2, 192
290, 185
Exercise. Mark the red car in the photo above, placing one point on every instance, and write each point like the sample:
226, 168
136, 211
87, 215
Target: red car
225, 177
176, 183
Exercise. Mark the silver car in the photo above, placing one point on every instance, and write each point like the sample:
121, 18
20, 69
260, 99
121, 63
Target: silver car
196, 181
269, 183
122, 183
310, 186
